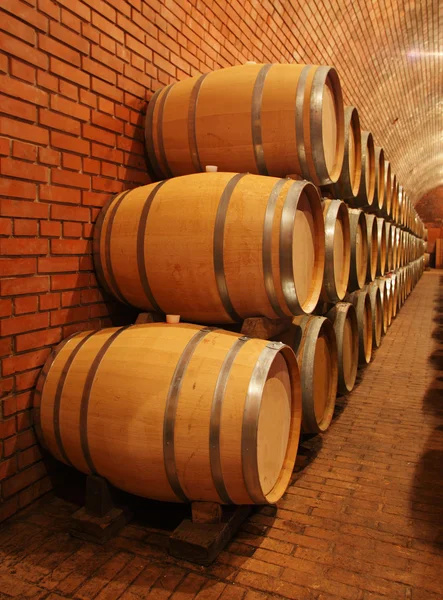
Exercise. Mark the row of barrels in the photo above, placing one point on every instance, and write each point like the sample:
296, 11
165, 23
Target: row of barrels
359, 246
194, 413
191, 412
366, 180
330, 348
222, 247
278, 120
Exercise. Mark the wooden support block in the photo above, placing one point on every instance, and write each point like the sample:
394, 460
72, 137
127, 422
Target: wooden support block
98, 500
264, 328
98, 529
99, 519
206, 512
202, 542
149, 317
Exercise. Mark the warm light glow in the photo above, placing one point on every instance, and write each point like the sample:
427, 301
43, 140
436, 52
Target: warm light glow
414, 53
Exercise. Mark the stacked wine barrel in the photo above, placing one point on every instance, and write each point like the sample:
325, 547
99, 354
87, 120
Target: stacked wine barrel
267, 201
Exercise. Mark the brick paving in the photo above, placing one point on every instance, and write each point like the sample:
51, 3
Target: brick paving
361, 521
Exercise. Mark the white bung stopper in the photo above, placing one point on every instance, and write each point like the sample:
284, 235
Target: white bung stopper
172, 319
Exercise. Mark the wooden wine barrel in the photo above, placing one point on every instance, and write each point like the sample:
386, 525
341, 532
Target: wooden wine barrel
401, 250
377, 313
405, 284
409, 214
313, 340
381, 282
427, 261
401, 205
387, 191
389, 249
393, 289
407, 247
394, 198
268, 119
362, 304
359, 249
371, 231
408, 282
379, 189
337, 250
344, 319
365, 195
409, 279
408, 254
401, 288
405, 210
348, 183
381, 249
214, 247
390, 301
393, 233
176, 413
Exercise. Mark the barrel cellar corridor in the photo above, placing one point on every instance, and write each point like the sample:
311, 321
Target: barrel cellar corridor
221, 306
362, 518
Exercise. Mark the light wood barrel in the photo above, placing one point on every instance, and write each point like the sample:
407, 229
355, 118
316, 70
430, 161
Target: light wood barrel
394, 198
381, 246
365, 195
408, 284
176, 413
362, 304
401, 288
377, 313
407, 247
337, 250
381, 282
371, 230
399, 234
401, 205
405, 284
214, 247
379, 190
393, 285
409, 279
404, 247
389, 291
393, 233
313, 340
269, 119
389, 249
348, 183
427, 261
344, 319
359, 249
387, 190
406, 211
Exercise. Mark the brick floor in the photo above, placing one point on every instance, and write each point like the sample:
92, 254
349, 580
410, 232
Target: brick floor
362, 520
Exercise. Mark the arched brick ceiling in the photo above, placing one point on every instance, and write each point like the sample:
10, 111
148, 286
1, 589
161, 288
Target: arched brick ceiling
389, 55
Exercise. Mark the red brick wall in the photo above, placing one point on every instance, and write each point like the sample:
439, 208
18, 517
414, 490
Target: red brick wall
75, 76
434, 233
430, 207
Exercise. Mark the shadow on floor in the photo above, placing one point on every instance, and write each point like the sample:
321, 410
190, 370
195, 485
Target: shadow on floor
426, 501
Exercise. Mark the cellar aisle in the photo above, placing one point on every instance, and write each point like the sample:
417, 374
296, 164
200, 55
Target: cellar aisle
362, 521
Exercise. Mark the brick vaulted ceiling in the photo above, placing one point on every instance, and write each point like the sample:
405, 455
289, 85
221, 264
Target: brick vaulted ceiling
389, 55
